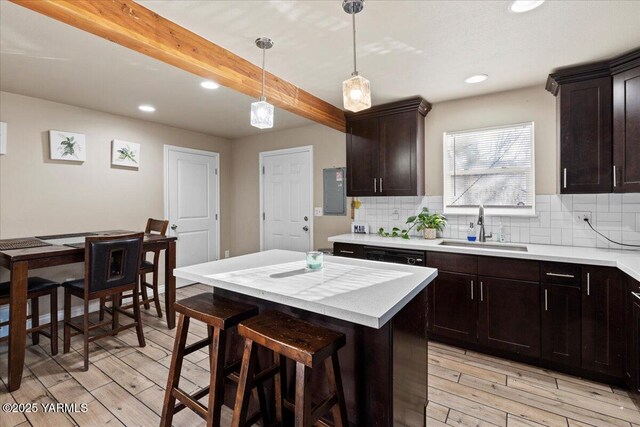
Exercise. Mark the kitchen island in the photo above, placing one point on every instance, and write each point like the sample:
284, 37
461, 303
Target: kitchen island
381, 308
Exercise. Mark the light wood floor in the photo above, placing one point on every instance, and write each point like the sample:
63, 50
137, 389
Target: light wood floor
125, 386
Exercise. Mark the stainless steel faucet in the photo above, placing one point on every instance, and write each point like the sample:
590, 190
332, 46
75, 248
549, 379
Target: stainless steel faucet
481, 235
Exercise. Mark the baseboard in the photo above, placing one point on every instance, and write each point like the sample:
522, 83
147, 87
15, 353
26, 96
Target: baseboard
46, 318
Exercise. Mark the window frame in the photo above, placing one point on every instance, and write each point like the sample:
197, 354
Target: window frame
489, 210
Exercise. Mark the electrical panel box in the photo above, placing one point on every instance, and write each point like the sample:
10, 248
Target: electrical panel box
335, 191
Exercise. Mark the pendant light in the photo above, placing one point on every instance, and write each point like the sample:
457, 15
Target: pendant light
356, 91
262, 111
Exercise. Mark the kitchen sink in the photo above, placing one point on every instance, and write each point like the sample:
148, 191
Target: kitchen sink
485, 245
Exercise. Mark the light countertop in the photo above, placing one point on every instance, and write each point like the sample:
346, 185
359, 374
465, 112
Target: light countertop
365, 292
626, 260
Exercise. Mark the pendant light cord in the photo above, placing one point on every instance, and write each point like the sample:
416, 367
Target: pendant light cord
353, 20
264, 54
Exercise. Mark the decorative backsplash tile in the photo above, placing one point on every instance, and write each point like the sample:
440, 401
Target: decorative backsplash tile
616, 216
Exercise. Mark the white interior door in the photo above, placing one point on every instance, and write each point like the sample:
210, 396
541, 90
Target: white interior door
286, 197
192, 204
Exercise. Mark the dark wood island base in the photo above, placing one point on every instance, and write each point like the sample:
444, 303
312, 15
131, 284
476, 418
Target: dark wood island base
384, 370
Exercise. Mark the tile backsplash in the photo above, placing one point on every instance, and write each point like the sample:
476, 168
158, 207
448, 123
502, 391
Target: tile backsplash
617, 216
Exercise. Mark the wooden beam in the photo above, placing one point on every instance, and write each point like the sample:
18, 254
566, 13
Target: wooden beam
131, 25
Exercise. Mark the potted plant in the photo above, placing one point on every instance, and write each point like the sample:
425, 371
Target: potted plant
429, 223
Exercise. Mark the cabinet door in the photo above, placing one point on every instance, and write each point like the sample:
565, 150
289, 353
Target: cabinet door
632, 319
561, 324
586, 136
398, 154
510, 316
603, 332
635, 345
452, 306
626, 130
362, 158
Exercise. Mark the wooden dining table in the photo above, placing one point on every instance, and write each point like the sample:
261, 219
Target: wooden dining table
24, 254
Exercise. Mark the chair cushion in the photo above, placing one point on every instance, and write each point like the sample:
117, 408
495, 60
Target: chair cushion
36, 284
74, 284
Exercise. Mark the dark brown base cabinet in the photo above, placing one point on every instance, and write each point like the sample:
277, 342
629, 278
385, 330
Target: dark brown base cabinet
453, 309
632, 371
510, 316
603, 338
566, 317
561, 324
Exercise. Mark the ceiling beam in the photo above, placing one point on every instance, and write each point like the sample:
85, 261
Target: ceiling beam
131, 25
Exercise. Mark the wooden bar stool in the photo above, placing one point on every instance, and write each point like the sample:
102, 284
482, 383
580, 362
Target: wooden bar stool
220, 315
154, 226
37, 287
306, 344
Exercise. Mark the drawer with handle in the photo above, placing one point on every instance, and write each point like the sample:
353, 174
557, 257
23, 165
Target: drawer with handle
348, 250
560, 273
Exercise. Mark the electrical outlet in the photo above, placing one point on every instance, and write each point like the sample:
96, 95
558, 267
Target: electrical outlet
581, 216
226, 253
395, 214
317, 212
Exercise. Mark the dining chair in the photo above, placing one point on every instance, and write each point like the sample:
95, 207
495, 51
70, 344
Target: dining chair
154, 226
112, 266
37, 287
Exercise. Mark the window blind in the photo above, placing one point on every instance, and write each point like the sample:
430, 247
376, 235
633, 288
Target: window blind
492, 166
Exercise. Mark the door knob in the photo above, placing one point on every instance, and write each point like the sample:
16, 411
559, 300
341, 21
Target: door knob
306, 218
305, 228
173, 226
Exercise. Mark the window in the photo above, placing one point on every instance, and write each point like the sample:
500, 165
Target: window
491, 166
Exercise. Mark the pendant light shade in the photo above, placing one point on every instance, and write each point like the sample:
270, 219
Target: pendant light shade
262, 114
262, 111
356, 91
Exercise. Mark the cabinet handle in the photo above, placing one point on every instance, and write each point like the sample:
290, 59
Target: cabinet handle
375, 185
472, 290
588, 284
614, 176
481, 292
381, 185
570, 276
565, 177
546, 300
636, 294
345, 252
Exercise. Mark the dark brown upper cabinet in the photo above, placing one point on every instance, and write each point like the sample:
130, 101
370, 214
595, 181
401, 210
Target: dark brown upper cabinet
585, 136
626, 130
599, 125
385, 149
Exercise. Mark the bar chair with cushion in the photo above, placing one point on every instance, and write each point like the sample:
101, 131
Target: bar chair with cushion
112, 266
37, 287
154, 226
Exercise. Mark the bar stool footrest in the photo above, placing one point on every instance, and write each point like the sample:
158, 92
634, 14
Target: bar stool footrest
190, 402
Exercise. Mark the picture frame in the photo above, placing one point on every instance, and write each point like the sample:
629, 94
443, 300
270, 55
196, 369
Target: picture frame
67, 146
125, 153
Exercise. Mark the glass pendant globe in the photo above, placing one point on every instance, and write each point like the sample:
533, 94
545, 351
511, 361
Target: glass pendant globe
356, 93
262, 114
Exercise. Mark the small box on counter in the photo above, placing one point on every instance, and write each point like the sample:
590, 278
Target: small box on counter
359, 227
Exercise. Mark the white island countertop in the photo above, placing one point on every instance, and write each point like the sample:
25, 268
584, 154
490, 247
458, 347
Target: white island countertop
626, 260
364, 292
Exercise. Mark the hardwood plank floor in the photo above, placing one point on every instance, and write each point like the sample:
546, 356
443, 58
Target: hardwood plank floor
125, 386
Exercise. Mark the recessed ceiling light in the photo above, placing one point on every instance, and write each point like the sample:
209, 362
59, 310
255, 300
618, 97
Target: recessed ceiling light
208, 84
519, 6
147, 108
476, 79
